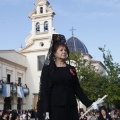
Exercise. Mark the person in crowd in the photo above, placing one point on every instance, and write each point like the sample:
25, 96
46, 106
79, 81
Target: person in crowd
35, 114
4, 115
28, 115
0, 114
92, 116
79, 111
15, 116
88, 115
10, 116
84, 117
59, 85
97, 114
23, 115
104, 114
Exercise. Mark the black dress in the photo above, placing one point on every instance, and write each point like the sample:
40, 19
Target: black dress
108, 117
65, 111
58, 90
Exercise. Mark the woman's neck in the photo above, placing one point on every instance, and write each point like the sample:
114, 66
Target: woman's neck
104, 116
60, 63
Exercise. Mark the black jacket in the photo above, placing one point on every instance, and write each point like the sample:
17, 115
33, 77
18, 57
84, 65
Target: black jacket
49, 96
107, 117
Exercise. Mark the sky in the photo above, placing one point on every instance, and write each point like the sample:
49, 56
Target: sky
96, 23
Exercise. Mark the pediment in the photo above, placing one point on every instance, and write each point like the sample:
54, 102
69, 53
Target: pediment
36, 45
41, 2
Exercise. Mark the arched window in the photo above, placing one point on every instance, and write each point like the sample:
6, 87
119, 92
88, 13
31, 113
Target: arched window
37, 27
41, 9
46, 26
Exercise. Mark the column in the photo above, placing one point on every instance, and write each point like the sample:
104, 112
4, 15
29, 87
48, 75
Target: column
23, 104
1, 102
14, 102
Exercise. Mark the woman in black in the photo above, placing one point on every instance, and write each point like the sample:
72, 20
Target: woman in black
104, 114
59, 85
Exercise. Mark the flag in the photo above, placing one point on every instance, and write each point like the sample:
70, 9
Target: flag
6, 90
20, 92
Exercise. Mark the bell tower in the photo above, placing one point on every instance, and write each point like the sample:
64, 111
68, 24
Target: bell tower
42, 21
36, 46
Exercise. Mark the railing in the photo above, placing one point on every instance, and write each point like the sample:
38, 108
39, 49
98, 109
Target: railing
13, 88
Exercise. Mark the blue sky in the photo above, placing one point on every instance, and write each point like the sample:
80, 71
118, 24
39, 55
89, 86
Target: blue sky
97, 23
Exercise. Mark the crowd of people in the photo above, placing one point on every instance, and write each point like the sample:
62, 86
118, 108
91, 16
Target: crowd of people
101, 114
18, 114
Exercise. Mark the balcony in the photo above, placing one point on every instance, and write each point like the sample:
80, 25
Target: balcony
14, 88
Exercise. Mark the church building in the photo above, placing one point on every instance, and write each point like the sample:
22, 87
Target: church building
23, 67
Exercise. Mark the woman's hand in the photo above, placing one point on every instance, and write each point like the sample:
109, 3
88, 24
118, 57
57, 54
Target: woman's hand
47, 116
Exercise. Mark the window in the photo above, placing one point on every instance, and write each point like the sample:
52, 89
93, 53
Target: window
46, 26
41, 44
41, 60
37, 27
41, 9
8, 78
19, 80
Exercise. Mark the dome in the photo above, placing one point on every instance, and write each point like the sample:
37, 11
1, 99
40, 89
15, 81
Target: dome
74, 44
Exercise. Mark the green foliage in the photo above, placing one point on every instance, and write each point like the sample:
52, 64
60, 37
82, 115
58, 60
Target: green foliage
90, 80
112, 78
94, 84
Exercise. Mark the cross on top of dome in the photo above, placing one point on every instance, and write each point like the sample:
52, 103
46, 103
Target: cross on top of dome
74, 44
72, 29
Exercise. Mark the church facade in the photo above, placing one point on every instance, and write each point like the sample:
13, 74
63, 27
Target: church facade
24, 67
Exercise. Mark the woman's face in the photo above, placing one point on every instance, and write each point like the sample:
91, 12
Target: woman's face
10, 116
61, 53
103, 112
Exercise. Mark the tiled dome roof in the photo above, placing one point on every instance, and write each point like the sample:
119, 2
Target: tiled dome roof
74, 44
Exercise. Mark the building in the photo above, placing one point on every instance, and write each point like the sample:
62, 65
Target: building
12, 70
24, 67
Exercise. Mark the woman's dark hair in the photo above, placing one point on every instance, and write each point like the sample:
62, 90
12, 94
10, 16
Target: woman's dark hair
103, 108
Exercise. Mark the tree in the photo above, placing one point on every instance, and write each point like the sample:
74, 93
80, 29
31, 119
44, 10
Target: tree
112, 77
94, 84
90, 80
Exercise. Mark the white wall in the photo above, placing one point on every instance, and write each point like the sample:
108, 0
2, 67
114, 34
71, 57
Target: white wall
15, 72
13, 56
33, 75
